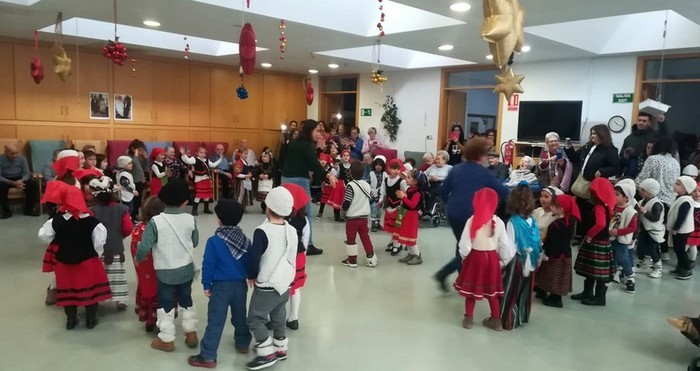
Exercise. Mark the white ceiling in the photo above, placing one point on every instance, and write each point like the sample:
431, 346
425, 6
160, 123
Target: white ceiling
331, 25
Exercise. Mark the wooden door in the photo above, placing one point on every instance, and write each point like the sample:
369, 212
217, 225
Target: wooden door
223, 93
7, 81
42, 102
200, 88
140, 86
91, 75
171, 94
456, 111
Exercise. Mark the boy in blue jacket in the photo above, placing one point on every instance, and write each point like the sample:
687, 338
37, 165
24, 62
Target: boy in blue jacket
224, 277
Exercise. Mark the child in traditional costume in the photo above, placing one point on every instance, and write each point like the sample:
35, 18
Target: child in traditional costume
344, 177
391, 202
327, 190
266, 172
407, 234
356, 211
203, 187
376, 180
298, 220
159, 174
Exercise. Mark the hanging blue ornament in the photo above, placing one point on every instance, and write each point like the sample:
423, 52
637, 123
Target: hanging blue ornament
242, 92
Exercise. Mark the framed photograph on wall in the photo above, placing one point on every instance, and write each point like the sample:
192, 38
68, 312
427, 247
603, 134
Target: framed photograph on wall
99, 106
123, 107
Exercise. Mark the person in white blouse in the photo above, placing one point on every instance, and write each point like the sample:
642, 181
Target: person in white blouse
373, 142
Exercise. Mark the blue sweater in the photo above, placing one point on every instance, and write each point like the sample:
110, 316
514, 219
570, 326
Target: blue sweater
219, 264
461, 184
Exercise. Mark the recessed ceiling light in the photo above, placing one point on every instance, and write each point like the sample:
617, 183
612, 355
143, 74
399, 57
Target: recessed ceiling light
446, 47
266, 65
313, 72
333, 66
151, 23
489, 57
460, 7
525, 49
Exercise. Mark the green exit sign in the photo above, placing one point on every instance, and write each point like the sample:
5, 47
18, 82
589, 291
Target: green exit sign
623, 98
366, 112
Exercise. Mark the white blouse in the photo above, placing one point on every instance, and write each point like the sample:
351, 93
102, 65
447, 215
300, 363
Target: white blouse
483, 241
99, 234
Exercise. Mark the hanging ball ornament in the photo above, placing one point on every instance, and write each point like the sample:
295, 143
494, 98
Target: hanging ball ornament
115, 51
133, 67
242, 92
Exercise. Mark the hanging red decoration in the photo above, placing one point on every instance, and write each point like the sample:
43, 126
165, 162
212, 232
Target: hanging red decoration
309, 92
246, 49
115, 50
37, 68
187, 49
247, 3
283, 38
133, 67
380, 25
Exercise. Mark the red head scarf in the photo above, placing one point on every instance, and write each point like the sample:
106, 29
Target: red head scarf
402, 168
570, 207
605, 192
69, 198
325, 157
485, 203
344, 152
155, 152
82, 173
299, 195
66, 160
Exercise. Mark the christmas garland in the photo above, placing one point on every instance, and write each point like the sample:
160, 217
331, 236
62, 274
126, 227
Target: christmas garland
390, 118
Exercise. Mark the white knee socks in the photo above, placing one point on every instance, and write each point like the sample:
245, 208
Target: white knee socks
692, 252
414, 250
52, 285
294, 304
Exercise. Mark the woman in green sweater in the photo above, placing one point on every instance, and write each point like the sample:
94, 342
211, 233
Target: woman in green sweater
300, 161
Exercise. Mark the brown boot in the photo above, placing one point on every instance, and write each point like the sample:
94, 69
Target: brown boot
468, 322
494, 324
191, 339
50, 296
161, 345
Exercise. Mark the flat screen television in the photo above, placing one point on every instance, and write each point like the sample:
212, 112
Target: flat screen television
537, 118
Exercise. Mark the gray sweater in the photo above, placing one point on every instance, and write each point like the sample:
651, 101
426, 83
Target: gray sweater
14, 169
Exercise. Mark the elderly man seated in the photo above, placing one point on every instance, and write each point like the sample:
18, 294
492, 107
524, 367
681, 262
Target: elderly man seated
224, 168
14, 173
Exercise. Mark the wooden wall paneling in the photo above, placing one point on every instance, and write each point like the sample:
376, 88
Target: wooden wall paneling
127, 133
8, 131
92, 75
7, 81
296, 99
223, 94
247, 113
171, 93
233, 136
270, 138
163, 134
42, 102
200, 88
139, 86
200, 135
29, 132
87, 132
275, 88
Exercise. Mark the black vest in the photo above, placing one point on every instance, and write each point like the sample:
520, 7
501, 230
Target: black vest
391, 199
74, 239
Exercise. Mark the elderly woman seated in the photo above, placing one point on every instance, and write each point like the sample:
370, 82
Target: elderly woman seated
523, 173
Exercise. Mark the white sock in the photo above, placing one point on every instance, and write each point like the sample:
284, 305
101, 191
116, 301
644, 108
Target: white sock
52, 285
692, 252
395, 243
414, 250
294, 304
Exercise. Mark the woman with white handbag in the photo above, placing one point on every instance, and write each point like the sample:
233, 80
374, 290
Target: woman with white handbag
597, 158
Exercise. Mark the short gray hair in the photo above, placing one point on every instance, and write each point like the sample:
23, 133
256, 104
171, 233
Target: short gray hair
551, 134
445, 156
428, 156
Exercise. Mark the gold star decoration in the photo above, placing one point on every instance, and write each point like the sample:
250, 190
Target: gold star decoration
61, 62
508, 83
503, 28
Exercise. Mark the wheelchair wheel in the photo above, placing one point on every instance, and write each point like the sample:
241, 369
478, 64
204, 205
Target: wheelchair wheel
435, 221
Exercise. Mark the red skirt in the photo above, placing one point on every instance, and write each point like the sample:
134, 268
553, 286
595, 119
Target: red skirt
694, 238
156, 185
203, 190
390, 221
49, 258
326, 193
408, 234
480, 276
338, 195
81, 284
554, 276
300, 277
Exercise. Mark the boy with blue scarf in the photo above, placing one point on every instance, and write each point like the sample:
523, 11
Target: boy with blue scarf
224, 277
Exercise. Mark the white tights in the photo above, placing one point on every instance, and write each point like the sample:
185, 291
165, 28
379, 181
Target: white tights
52, 285
294, 304
692, 252
414, 250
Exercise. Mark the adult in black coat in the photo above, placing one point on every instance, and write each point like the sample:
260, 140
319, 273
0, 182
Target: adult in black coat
643, 132
597, 158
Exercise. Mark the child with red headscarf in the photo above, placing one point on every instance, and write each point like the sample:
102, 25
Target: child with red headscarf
81, 279
389, 200
159, 176
595, 258
344, 176
554, 274
486, 248
298, 220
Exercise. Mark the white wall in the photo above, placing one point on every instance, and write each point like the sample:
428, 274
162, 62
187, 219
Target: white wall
592, 80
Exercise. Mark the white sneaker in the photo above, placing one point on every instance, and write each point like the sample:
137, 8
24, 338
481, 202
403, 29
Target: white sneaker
372, 262
655, 273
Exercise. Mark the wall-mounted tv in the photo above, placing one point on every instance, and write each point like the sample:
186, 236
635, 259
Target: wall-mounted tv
537, 118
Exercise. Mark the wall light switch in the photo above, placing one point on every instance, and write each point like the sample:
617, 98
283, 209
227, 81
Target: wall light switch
429, 137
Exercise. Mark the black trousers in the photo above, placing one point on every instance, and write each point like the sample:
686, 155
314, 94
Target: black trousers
137, 200
679, 242
225, 185
30, 194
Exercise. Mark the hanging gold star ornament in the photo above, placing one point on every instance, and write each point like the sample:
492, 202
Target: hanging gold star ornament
508, 82
503, 28
61, 62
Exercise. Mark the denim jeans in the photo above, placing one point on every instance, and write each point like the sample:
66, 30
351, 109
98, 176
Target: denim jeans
456, 263
623, 257
168, 294
225, 295
304, 183
375, 211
